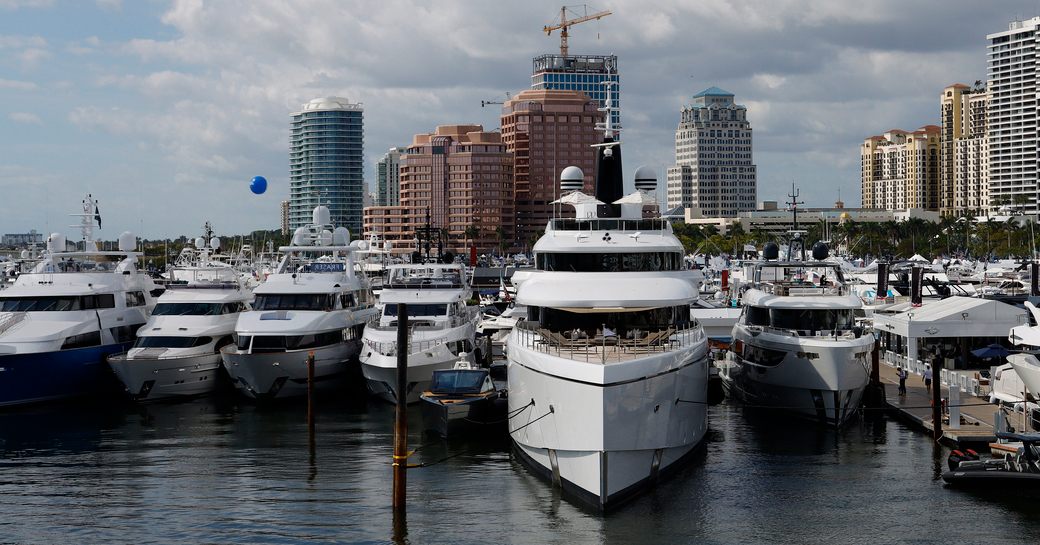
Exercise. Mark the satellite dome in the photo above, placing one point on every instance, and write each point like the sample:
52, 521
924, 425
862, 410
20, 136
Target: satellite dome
771, 251
127, 241
200, 242
572, 179
341, 236
820, 251
56, 242
299, 236
214, 243
325, 238
646, 179
321, 215
359, 245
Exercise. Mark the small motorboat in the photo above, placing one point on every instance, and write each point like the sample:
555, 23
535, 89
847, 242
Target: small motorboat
463, 399
1019, 472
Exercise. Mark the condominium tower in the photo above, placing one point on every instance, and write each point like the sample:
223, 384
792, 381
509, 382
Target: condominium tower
714, 175
547, 131
964, 152
326, 154
1012, 112
900, 169
388, 182
585, 73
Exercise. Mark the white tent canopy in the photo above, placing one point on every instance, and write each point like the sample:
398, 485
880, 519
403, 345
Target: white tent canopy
954, 317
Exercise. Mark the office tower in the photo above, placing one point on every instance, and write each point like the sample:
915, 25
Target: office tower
326, 158
547, 131
585, 73
285, 217
900, 169
1012, 123
714, 175
964, 155
388, 182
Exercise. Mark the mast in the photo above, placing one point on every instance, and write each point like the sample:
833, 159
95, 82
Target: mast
609, 180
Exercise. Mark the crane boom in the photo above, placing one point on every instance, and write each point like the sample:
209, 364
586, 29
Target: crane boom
566, 23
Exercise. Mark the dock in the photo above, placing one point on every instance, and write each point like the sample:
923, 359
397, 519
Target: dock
914, 408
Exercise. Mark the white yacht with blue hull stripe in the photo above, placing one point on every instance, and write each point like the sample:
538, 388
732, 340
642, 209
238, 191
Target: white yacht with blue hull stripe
59, 321
608, 375
316, 304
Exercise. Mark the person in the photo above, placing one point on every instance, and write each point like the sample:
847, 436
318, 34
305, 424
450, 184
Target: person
902, 374
927, 376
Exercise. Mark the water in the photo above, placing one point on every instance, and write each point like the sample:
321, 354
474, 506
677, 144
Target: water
227, 471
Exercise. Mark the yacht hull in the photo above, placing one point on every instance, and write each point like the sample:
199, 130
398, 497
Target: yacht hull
1029, 372
279, 375
606, 441
380, 371
152, 379
827, 388
43, 376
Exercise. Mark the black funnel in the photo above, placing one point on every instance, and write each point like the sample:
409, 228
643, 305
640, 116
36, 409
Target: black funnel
609, 182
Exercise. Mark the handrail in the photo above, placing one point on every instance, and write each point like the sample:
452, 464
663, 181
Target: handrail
607, 349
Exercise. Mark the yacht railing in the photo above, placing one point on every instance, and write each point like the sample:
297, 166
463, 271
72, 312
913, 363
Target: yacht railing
784, 288
440, 322
609, 349
807, 333
389, 348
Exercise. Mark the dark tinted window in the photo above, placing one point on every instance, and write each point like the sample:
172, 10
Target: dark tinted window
610, 262
418, 310
171, 342
757, 316
187, 309
37, 304
458, 381
82, 341
296, 301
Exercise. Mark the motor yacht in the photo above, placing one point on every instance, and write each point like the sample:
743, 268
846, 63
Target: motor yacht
177, 353
314, 303
796, 346
441, 327
60, 320
607, 374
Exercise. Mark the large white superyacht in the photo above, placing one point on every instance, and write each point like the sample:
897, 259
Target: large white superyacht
796, 346
441, 327
315, 303
177, 353
59, 321
608, 374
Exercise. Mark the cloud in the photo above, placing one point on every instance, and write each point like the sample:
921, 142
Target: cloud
17, 85
26, 118
110, 5
17, 4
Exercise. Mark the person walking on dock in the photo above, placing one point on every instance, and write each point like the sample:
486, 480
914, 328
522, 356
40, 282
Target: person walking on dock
927, 376
902, 374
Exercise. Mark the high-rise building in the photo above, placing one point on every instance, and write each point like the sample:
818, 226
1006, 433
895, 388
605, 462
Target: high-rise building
326, 162
388, 181
285, 217
964, 151
547, 131
585, 73
456, 178
1012, 112
900, 169
714, 175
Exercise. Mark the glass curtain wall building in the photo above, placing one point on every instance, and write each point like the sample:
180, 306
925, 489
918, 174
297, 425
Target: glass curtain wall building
326, 162
585, 73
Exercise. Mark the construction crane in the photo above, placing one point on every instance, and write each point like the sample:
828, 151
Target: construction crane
566, 23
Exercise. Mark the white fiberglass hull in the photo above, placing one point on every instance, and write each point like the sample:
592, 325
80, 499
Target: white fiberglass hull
605, 439
819, 379
151, 379
381, 371
1028, 369
277, 375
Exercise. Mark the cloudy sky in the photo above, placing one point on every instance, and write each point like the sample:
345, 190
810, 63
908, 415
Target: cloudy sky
164, 110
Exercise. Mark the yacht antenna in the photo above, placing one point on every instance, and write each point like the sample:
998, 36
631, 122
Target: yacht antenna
794, 202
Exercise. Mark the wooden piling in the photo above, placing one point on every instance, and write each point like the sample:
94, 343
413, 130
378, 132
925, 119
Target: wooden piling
937, 427
310, 392
401, 414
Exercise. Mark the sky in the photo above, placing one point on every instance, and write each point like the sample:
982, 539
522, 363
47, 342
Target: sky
164, 110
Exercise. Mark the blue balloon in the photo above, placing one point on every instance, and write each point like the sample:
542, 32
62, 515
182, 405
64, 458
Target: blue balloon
258, 185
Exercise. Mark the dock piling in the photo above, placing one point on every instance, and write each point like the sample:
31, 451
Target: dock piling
310, 393
937, 427
401, 413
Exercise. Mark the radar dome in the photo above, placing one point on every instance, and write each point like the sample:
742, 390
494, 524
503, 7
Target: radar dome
321, 215
200, 243
214, 243
325, 238
56, 242
341, 236
771, 251
359, 245
820, 251
299, 237
572, 179
646, 179
127, 241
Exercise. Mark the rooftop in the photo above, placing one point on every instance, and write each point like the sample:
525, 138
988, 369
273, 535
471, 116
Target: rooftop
713, 91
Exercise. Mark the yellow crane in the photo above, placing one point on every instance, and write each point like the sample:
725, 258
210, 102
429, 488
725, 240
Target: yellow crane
566, 23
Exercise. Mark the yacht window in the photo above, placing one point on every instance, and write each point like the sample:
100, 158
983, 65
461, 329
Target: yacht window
242, 341
135, 299
623, 324
92, 338
418, 309
171, 342
295, 342
294, 301
101, 300
124, 333
458, 381
610, 262
347, 300
757, 315
811, 319
187, 309
38, 304
763, 356
233, 308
